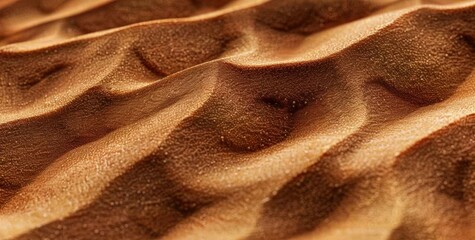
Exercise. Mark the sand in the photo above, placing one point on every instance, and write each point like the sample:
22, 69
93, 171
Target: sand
220, 119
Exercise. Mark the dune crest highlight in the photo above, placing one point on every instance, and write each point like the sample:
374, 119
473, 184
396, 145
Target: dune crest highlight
237, 119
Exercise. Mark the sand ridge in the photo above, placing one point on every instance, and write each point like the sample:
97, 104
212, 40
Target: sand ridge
220, 119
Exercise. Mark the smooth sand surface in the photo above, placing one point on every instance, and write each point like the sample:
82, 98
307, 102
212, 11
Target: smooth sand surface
244, 119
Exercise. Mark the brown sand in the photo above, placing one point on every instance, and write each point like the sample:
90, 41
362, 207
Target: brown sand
244, 119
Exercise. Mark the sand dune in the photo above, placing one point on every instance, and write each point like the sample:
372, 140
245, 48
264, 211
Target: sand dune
244, 119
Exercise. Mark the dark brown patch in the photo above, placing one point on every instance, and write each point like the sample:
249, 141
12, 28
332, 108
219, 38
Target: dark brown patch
411, 230
401, 94
456, 181
309, 16
151, 67
302, 204
469, 40
37, 77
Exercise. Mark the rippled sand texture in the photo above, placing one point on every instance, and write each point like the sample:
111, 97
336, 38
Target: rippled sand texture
220, 119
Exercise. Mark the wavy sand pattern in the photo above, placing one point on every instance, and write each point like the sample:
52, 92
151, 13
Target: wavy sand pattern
244, 119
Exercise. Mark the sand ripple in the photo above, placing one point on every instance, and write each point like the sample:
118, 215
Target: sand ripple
221, 119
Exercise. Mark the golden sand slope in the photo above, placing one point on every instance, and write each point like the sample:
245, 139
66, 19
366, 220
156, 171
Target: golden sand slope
220, 119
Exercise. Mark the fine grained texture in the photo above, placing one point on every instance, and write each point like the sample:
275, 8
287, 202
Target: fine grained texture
237, 119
